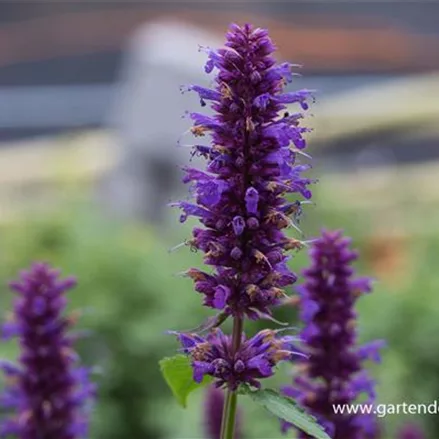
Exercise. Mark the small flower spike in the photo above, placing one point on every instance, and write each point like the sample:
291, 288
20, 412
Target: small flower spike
411, 431
47, 394
334, 374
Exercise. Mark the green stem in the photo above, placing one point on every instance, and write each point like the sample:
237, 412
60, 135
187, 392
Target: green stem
230, 402
229, 415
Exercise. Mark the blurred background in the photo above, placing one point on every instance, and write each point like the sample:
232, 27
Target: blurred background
90, 116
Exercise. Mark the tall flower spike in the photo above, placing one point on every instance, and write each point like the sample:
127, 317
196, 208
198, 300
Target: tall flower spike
333, 374
47, 392
251, 167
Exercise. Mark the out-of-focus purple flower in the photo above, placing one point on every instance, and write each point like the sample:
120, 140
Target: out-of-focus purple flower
255, 359
333, 374
213, 414
411, 431
251, 165
47, 392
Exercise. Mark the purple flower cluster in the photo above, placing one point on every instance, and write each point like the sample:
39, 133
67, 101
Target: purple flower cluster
251, 166
255, 358
334, 372
47, 392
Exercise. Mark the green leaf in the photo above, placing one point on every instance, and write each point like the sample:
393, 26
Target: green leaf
288, 410
177, 372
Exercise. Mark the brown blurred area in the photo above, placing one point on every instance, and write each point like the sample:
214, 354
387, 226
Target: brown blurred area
323, 40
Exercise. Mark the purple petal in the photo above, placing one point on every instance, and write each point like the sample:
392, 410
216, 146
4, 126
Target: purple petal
238, 224
251, 200
201, 368
222, 293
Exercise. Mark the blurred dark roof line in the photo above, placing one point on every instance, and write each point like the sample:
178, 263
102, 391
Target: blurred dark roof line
318, 42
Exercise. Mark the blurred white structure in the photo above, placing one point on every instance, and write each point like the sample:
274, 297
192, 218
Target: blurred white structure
147, 117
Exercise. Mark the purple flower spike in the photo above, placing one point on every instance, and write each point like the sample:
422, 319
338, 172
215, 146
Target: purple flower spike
255, 359
333, 374
47, 392
252, 165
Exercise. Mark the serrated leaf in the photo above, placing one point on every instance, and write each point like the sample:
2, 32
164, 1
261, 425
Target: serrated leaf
177, 372
288, 410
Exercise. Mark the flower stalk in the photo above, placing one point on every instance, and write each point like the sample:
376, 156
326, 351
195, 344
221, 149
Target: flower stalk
231, 400
229, 415
213, 415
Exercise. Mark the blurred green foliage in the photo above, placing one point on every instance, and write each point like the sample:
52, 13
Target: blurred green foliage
131, 294
130, 297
